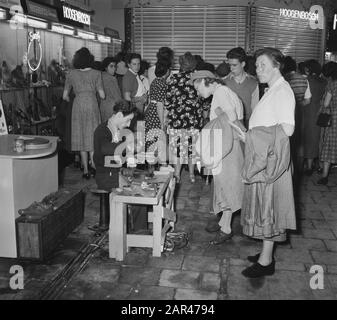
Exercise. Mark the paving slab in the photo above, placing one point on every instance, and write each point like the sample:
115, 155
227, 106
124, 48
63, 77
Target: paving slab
203, 264
179, 279
188, 294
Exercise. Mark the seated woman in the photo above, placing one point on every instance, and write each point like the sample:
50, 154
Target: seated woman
228, 187
108, 138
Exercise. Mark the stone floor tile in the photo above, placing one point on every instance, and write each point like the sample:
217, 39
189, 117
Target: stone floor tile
32, 290
167, 261
289, 285
210, 281
203, 264
331, 245
321, 224
100, 272
289, 266
332, 269
328, 258
318, 234
293, 255
138, 275
145, 292
187, 294
307, 244
179, 279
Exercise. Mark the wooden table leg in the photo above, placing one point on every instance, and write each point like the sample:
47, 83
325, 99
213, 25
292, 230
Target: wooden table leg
117, 230
157, 227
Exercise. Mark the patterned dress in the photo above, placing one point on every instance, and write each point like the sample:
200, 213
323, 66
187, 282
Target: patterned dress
185, 116
85, 113
329, 136
152, 122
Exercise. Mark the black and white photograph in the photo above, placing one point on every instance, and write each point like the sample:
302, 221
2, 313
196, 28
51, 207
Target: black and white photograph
168, 155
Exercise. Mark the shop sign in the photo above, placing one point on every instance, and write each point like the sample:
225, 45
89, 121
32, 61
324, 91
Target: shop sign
335, 21
111, 33
305, 15
38, 10
75, 15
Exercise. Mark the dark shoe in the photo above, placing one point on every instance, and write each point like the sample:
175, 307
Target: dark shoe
213, 223
257, 270
221, 237
253, 259
86, 176
323, 181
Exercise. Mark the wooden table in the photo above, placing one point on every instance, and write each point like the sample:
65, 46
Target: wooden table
163, 208
24, 178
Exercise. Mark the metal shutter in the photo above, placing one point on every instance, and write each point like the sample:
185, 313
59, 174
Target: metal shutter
205, 30
293, 37
152, 29
225, 29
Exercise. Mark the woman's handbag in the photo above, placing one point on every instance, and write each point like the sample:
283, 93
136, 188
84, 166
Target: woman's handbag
324, 120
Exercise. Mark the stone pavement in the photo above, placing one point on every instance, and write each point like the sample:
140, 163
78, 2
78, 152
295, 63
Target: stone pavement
198, 271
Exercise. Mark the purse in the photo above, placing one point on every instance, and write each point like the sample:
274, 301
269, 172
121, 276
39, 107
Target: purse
324, 120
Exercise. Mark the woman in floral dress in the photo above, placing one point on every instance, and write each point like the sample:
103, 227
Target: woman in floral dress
185, 116
154, 116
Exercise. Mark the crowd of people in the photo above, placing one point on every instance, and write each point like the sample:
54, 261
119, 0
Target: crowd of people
267, 107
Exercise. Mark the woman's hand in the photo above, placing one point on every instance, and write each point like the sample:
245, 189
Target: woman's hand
239, 131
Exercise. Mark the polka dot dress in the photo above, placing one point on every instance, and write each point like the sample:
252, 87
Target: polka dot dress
152, 122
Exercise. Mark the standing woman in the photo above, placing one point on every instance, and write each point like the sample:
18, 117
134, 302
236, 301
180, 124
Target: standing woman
185, 115
85, 113
228, 186
311, 131
154, 116
267, 216
328, 152
111, 88
133, 88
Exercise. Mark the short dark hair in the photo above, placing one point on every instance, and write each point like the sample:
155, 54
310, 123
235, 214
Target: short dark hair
161, 69
83, 59
107, 61
187, 62
144, 65
132, 56
205, 66
124, 107
275, 55
165, 55
237, 53
223, 69
329, 68
250, 66
313, 66
289, 65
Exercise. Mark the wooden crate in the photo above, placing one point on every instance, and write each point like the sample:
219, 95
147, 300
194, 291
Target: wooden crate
38, 235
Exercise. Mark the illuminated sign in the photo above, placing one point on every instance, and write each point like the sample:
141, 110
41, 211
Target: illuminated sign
76, 15
335, 21
305, 15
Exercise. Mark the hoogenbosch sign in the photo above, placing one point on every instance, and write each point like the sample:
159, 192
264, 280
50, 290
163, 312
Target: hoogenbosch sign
315, 16
305, 15
76, 15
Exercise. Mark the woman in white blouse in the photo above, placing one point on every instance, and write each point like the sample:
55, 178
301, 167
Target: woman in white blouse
277, 107
228, 186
